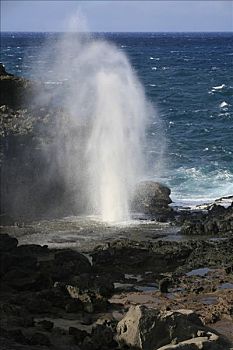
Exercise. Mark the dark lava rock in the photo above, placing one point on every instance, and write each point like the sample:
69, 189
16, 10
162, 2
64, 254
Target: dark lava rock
132, 257
101, 284
14, 90
152, 198
163, 285
37, 305
218, 220
40, 339
69, 263
15, 334
103, 337
73, 306
14, 262
25, 281
78, 334
7, 243
56, 296
32, 249
46, 325
229, 269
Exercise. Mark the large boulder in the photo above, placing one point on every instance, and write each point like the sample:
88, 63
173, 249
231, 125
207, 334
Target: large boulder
68, 263
150, 329
151, 197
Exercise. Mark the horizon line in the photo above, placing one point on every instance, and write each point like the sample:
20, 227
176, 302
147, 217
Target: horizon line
104, 32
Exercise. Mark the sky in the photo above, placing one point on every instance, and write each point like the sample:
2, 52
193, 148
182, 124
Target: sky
119, 16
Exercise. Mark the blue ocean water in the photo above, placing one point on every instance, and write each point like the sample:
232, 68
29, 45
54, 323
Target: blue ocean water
189, 79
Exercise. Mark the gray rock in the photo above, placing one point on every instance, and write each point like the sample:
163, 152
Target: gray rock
149, 329
151, 198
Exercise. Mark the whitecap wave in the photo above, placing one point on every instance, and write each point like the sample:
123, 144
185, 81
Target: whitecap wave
220, 87
197, 185
224, 104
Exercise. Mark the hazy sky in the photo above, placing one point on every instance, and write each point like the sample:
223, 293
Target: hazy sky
106, 16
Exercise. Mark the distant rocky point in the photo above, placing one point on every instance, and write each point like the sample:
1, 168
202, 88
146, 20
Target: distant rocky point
16, 92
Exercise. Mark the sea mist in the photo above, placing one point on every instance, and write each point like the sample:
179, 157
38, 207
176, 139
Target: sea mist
101, 144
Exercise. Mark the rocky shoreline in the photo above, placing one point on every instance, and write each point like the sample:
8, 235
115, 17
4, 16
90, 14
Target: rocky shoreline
125, 289
124, 295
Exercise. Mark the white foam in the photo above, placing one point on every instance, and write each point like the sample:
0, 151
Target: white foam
218, 87
223, 104
200, 186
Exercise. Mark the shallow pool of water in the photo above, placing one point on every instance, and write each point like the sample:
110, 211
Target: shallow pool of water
226, 285
86, 232
199, 272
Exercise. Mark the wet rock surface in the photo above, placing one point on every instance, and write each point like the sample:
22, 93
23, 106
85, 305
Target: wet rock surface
14, 89
49, 295
129, 292
217, 220
153, 198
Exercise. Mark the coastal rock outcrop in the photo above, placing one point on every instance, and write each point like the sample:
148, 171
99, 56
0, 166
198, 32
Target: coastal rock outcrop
14, 89
218, 220
152, 198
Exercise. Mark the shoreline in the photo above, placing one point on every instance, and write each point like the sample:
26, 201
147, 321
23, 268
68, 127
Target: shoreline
73, 283
64, 292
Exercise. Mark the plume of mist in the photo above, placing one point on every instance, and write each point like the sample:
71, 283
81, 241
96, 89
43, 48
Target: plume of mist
100, 144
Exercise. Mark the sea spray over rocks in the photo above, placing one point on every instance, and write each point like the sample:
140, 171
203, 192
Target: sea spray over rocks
100, 147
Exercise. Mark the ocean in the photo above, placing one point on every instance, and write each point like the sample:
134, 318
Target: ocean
189, 79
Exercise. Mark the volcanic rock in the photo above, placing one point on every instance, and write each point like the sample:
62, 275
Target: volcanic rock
14, 89
152, 198
40, 339
7, 243
218, 220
